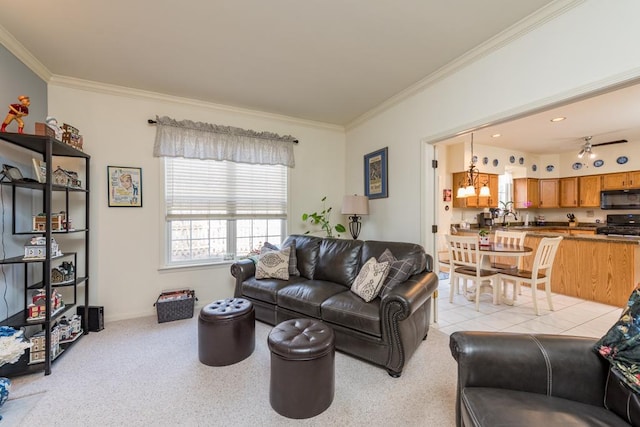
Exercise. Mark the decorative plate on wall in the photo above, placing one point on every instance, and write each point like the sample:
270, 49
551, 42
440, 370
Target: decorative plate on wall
474, 159
598, 163
534, 167
485, 160
495, 162
521, 160
512, 159
576, 165
622, 160
550, 168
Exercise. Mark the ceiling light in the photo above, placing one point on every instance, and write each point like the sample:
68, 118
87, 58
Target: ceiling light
586, 149
496, 135
558, 119
467, 188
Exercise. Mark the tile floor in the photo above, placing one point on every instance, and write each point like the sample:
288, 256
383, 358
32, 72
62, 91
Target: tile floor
572, 316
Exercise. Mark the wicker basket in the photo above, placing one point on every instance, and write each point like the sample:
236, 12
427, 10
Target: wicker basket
175, 305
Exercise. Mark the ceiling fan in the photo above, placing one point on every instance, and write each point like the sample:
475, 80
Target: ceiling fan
587, 146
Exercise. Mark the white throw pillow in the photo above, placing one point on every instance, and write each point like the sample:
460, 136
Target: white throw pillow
273, 265
369, 281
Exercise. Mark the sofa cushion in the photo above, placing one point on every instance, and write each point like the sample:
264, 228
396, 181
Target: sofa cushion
349, 310
267, 289
491, 407
273, 264
293, 258
369, 281
621, 344
306, 297
307, 248
620, 399
338, 261
400, 250
399, 271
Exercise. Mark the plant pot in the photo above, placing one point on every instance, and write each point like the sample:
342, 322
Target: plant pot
484, 241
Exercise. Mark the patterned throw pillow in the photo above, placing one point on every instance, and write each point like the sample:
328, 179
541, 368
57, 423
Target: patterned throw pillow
369, 281
399, 271
293, 258
621, 344
273, 265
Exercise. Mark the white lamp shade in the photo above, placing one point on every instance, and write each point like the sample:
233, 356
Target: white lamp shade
355, 205
485, 192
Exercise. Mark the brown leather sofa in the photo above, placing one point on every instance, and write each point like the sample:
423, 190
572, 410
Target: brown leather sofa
385, 331
537, 380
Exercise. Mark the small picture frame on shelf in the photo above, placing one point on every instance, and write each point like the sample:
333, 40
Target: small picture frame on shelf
125, 186
11, 173
40, 170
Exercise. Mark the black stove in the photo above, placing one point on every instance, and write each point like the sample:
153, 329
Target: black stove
622, 225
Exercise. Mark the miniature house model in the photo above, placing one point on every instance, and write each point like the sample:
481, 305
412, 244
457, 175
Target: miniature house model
37, 308
66, 178
36, 248
58, 221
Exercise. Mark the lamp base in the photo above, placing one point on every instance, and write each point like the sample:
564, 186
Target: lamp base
354, 226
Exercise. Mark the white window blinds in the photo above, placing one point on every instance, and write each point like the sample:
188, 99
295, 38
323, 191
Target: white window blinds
212, 189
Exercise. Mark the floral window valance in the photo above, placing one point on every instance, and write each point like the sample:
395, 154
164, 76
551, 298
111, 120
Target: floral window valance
197, 140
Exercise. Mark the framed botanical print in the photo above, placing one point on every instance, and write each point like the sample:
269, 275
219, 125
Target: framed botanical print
376, 185
125, 186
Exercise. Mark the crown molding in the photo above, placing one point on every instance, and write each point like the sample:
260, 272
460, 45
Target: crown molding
91, 86
516, 31
19, 51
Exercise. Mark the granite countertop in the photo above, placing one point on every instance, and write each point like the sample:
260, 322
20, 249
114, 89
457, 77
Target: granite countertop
541, 230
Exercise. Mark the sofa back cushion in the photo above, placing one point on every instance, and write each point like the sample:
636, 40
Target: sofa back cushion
307, 249
411, 251
338, 261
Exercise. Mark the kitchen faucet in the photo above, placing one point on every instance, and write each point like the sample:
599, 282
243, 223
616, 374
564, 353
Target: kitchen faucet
505, 214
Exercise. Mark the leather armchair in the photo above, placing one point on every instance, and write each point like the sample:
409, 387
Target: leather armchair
537, 380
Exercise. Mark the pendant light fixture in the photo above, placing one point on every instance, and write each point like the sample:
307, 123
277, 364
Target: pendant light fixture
468, 186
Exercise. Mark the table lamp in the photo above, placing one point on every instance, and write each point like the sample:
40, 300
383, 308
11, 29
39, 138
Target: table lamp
354, 206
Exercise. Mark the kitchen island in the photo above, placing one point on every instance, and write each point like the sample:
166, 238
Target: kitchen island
590, 266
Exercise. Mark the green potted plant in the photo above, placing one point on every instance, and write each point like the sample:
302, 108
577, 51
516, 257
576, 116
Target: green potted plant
484, 237
322, 219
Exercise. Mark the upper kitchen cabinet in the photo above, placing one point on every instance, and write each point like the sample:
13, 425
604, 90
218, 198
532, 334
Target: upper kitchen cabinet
589, 188
621, 180
549, 193
491, 180
525, 193
568, 192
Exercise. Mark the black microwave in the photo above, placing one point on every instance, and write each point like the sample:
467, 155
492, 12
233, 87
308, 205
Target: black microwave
620, 199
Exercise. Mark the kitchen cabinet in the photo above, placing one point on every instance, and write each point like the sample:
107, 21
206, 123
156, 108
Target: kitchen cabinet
525, 193
621, 180
589, 188
460, 178
568, 192
549, 193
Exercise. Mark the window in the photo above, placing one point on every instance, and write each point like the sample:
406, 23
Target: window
221, 210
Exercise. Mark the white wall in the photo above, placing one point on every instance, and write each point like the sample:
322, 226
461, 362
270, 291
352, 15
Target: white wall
126, 242
586, 48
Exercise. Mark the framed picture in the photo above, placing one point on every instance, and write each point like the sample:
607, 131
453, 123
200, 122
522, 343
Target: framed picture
446, 195
376, 185
125, 186
12, 173
40, 170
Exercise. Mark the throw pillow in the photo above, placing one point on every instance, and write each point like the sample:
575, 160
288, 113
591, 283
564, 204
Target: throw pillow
369, 281
293, 258
273, 265
621, 344
399, 271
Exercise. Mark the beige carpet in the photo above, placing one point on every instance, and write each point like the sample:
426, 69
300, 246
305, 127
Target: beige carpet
141, 373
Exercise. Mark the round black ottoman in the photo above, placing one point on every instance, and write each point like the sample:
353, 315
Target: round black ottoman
302, 368
226, 332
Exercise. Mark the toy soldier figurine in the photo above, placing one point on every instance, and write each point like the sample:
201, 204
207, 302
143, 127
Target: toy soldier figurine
16, 112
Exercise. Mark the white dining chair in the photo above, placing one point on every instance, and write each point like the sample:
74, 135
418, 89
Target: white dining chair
515, 238
465, 259
540, 273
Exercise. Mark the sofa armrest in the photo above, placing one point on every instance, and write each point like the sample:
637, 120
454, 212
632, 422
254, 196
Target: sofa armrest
242, 270
554, 365
413, 293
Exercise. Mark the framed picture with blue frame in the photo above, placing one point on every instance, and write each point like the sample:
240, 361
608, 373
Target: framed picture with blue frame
376, 174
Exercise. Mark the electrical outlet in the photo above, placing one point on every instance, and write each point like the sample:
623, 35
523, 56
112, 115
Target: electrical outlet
590, 214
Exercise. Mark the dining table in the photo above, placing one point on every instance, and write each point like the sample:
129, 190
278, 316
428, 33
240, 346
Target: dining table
501, 250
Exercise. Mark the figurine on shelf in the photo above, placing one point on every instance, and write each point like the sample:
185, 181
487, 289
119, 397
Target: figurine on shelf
17, 112
52, 122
